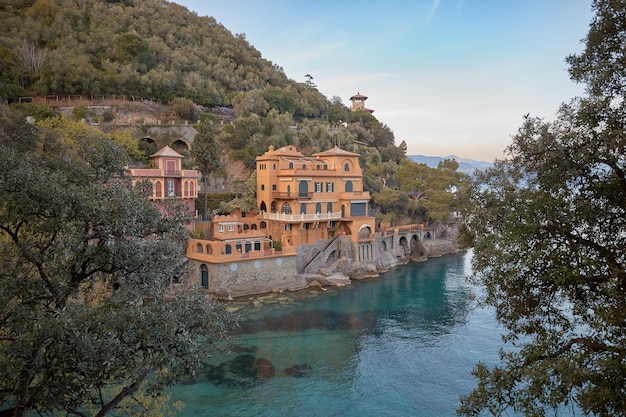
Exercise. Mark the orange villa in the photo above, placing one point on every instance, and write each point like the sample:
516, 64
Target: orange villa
302, 201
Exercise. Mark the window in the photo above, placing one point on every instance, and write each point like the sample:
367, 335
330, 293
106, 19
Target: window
274, 166
170, 188
204, 276
330, 187
318, 187
318, 208
262, 187
346, 167
290, 165
231, 227
329, 207
302, 208
273, 187
157, 188
220, 228
286, 209
349, 187
303, 166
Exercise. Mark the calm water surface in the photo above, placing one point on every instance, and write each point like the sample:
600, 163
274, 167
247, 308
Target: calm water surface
400, 345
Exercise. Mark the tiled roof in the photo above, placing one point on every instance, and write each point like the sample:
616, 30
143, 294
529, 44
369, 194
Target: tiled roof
336, 151
167, 151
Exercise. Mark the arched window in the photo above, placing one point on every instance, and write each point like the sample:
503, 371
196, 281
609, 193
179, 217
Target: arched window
303, 208
199, 248
204, 276
290, 165
349, 187
263, 206
158, 189
228, 249
209, 249
246, 226
186, 189
346, 167
288, 190
318, 208
273, 207
303, 189
263, 225
253, 227
286, 209
329, 207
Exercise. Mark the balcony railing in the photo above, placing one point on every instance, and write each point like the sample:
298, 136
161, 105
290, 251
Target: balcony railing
292, 194
297, 218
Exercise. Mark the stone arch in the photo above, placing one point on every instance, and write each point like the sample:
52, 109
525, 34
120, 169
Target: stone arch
404, 243
414, 243
332, 257
147, 145
427, 236
180, 146
365, 231
383, 245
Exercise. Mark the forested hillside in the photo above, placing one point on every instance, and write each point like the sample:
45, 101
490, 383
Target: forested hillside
189, 66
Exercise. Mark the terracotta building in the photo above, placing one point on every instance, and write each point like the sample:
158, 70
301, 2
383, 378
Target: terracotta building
358, 103
305, 199
302, 201
170, 183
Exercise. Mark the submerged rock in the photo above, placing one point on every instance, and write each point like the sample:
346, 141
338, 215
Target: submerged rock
263, 368
298, 371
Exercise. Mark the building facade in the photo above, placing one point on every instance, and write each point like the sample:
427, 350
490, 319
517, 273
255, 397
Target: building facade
170, 183
303, 201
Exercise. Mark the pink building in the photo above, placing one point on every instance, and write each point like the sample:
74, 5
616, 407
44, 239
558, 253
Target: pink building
170, 183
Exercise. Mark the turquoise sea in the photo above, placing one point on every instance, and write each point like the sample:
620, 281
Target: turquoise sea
402, 344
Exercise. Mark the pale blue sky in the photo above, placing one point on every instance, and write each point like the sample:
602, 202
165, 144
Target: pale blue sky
447, 76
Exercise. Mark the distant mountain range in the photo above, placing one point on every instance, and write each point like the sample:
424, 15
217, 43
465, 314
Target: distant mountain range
466, 166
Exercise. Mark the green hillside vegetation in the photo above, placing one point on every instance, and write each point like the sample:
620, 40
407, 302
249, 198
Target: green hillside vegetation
173, 66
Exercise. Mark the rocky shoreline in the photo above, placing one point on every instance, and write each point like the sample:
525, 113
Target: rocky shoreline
314, 285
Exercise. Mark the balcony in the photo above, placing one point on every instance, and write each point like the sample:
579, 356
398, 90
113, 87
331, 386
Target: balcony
280, 195
300, 218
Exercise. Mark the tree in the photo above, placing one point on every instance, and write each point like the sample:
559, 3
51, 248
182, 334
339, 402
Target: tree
206, 154
548, 227
86, 324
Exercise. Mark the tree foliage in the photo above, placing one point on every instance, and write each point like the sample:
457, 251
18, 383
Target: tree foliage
86, 262
548, 227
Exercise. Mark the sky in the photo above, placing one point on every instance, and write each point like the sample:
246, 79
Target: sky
449, 77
